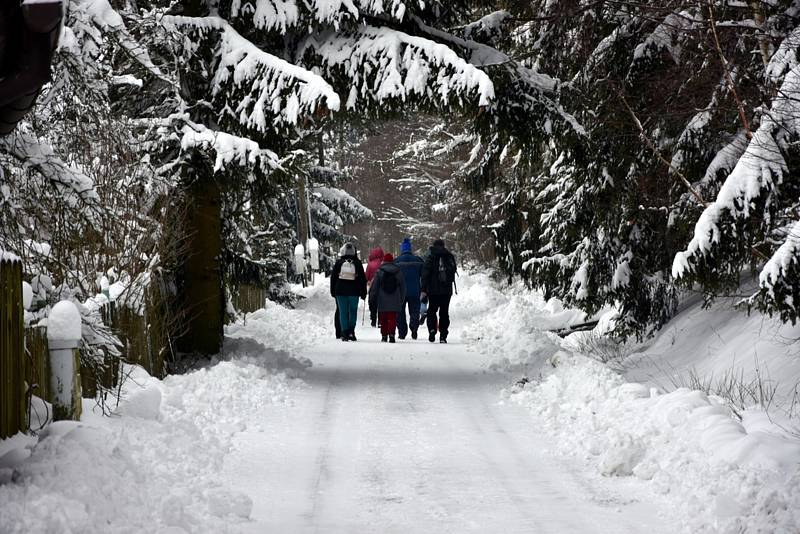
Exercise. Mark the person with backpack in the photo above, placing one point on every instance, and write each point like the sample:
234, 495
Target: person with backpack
374, 262
348, 283
337, 325
388, 295
438, 276
411, 267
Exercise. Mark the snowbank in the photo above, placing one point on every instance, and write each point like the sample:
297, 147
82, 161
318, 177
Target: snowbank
282, 329
722, 478
154, 465
717, 341
724, 475
511, 325
152, 468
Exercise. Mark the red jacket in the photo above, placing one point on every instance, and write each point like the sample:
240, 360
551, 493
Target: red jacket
374, 263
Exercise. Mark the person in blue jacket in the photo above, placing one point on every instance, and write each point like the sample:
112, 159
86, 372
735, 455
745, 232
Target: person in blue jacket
411, 267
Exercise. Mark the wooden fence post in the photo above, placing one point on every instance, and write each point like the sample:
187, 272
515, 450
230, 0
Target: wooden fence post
12, 348
63, 336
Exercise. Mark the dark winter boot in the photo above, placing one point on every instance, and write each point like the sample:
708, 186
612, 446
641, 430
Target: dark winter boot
391, 339
443, 340
383, 339
413, 334
344, 337
352, 335
432, 336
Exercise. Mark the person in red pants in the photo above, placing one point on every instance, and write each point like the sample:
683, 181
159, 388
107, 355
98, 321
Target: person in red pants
388, 295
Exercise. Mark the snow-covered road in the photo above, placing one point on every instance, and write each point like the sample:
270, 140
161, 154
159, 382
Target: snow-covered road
413, 437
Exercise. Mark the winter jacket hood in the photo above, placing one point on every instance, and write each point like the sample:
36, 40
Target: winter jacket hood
388, 302
375, 260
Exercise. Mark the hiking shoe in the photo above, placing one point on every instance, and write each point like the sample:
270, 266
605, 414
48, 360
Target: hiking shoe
432, 336
443, 340
383, 339
391, 339
413, 334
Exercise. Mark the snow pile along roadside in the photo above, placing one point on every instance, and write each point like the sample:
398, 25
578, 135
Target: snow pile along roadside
284, 329
512, 325
686, 443
723, 475
153, 466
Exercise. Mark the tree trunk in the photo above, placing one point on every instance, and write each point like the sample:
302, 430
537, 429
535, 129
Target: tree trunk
203, 290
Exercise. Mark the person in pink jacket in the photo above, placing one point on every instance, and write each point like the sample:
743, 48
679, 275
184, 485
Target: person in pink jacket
374, 263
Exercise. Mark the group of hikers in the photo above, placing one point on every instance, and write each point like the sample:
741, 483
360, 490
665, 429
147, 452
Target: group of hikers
423, 286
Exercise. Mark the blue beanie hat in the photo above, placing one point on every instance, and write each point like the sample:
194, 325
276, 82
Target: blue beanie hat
405, 246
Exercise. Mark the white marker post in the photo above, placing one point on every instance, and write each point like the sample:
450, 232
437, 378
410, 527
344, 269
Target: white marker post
63, 336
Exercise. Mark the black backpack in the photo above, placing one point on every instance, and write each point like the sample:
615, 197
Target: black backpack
446, 269
389, 282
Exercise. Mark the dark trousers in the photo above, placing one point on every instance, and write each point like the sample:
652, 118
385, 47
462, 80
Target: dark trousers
388, 323
348, 313
336, 322
373, 314
439, 305
413, 311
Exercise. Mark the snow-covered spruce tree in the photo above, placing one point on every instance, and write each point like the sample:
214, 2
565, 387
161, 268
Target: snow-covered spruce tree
664, 93
269, 74
331, 209
79, 202
753, 219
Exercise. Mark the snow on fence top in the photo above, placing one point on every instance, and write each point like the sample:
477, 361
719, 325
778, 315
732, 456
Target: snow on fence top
8, 256
64, 322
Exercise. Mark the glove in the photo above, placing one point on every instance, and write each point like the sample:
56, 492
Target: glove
423, 297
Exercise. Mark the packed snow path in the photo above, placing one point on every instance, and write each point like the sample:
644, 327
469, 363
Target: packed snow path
413, 437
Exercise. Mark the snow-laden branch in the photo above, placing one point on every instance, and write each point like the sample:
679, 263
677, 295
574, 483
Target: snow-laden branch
481, 55
274, 90
268, 14
385, 64
779, 266
74, 186
754, 178
228, 148
344, 201
93, 18
283, 14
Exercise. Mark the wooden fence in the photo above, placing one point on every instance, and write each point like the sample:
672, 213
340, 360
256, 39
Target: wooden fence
12, 358
37, 362
249, 298
145, 341
25, 359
